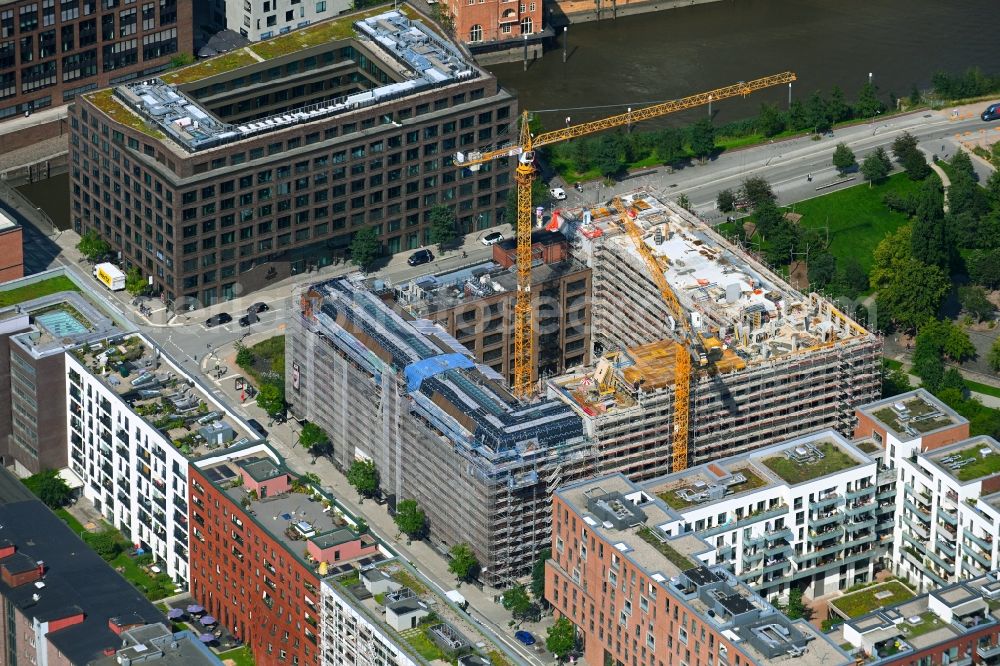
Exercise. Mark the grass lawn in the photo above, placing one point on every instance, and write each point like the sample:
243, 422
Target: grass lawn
856, 217
928, 622
984, 465
834, 460
864, 601
155, 587
43, 288
868, 446
319, 33
73, 523
892, 364
241, 656
985, 389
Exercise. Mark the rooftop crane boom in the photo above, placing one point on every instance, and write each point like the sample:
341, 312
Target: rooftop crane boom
525, 175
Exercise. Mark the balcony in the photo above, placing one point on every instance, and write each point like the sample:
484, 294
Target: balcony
750, 558
986, 650
817, 537
860, 525
941, 562
860, 492
948, 516
916, 527
977, 555
725, 553
775, 512
858, 509
948, 548
825, 519
775, 565
886, 495
827, 501
986, 543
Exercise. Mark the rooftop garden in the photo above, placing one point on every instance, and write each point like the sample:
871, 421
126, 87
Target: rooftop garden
928, 622
241, 656
834, 459
341, 27
856, 604
682, 562
29, 292
868, 446
210, 67
971, 463
753, 480
106, 102
676, 501
915, 407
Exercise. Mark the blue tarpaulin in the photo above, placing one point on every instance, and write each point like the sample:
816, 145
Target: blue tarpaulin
418, 371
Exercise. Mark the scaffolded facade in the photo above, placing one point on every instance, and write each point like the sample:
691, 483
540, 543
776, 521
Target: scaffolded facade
780, 363
441, 429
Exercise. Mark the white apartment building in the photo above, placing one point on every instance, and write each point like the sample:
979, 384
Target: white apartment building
261, 19
133, 418
948, 507
800, 513
351, 635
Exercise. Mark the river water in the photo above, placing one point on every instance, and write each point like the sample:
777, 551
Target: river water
671, 54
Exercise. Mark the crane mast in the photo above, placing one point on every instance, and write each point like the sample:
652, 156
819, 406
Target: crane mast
525, 176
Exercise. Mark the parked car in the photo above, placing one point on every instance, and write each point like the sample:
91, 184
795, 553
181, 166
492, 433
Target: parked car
257, 308
558, 193
992, 112
249, 318
420, 257
525, 637
255, 424
492, 238
218, 320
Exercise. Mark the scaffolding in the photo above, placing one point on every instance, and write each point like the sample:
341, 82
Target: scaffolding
783, 363
441, 430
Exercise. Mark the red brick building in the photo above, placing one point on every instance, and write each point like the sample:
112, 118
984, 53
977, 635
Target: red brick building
625, 574
495, 20
259, 549
11, 249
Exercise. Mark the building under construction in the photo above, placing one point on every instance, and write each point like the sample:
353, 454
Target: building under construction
441, 428
775, 363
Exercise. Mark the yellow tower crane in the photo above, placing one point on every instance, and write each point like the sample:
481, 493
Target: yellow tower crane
524, 150
689, 343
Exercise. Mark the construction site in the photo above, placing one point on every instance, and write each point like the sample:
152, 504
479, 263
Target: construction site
767, 362
441, 428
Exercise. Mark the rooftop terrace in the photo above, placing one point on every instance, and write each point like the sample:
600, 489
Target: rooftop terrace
446, 629
913, 414
921, 622
969, 460
418, 59
163, 395
295, 518
61, 319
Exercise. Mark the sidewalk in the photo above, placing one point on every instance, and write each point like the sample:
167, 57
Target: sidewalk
284, 436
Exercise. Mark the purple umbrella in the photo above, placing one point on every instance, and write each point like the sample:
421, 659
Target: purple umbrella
206, 638
195, 608
175, 614
208, 620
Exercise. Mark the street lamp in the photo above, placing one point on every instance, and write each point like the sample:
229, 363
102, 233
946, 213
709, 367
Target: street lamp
869, 78
789, 95
565, 40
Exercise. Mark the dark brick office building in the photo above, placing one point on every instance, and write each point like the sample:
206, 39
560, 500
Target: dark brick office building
219, 178
53, 50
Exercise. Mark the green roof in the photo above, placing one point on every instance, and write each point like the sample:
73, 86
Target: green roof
834, 459
316, 34
28, 292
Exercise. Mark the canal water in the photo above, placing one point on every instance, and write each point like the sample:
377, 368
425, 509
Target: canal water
671, 54
665, 55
